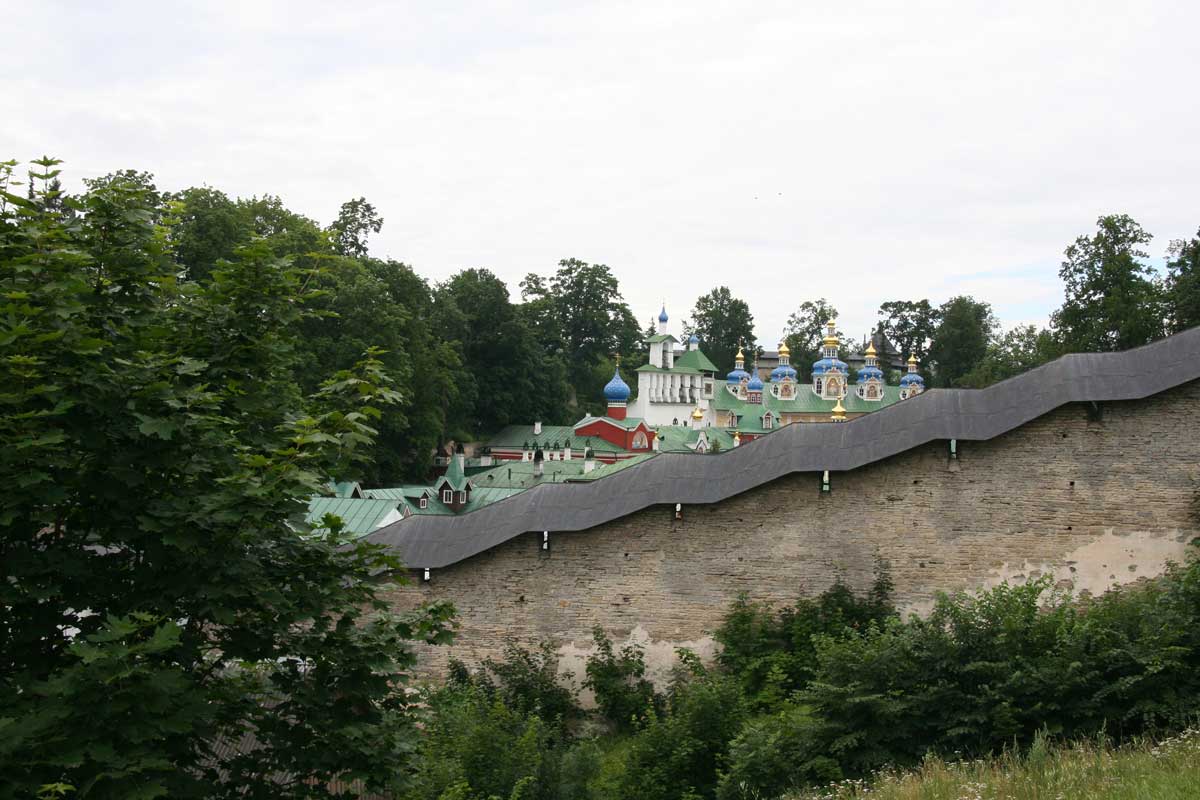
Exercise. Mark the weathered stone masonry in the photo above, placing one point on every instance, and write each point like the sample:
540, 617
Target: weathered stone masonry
1094, 501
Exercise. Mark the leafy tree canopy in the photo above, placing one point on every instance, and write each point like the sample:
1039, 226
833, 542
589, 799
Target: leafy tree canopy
961, 340
910, 325
805, 330
723, 323
163, 599
1113, 300
1183, 283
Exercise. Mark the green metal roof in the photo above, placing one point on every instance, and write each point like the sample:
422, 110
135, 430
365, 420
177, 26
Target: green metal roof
661, 337
805, 402
523, 474
678, 439
695, 359
629, 423
397, 492
359, 516
454, 475
515, 436
604, 470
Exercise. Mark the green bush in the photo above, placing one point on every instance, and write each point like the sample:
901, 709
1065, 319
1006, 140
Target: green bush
984, 672
773, 653
526, 681
775, 753
679, 753
475, 748
623, 694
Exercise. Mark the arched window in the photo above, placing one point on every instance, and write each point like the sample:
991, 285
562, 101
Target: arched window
817, 385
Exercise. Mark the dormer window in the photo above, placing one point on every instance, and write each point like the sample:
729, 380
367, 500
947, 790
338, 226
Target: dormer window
462, 497
447, 495
423, 502
767, 420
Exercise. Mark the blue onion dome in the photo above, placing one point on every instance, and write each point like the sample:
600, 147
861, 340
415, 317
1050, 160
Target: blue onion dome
755, 384
736, 376
912, 378
616, 390
693, 339
781, 372
662, 315
866, 373
825, 364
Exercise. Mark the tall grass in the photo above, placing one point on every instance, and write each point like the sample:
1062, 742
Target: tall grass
1163, 770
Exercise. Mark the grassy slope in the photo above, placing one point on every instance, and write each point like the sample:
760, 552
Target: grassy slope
1164, 771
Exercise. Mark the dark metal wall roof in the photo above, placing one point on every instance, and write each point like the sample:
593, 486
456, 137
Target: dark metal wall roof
967, 414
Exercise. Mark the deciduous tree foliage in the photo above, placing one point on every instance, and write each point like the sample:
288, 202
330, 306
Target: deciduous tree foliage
169, 627
1183, 283
506, 377
910, 325
961, 340
1113, 300
805, 330
1013, 352
723, 323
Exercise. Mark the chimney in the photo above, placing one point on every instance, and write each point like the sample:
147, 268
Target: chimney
567, 451
460, 458
537, 429
589, 461
539, 462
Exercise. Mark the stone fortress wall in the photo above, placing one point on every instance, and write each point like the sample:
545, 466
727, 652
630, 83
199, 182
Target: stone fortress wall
1090, 498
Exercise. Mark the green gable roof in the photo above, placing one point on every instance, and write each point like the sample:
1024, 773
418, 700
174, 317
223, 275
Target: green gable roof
454, 475
695, 360
661, 337
359, 516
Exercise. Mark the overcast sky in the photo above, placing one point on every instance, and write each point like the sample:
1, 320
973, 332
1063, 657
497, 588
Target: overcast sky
858, 152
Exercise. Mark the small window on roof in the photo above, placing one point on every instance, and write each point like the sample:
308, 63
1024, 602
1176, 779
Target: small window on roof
424, 502
447, 495
462, 497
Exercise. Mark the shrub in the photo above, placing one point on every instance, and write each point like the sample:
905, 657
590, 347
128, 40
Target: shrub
679, 753
773, 654
623, 694
526, 681
475, 747
775, 753
984, 672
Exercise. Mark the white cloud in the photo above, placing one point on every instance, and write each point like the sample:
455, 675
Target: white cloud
861, 152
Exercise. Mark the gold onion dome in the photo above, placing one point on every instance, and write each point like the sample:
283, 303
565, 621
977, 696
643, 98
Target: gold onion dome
740, 354
783, 349
697, 413
870, 349
839, 411
912, 359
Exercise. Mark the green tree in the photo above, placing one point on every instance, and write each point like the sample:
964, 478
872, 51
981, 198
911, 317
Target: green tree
723, 323
1183, 283
910, 325
1113, 300
1016, 351
805, 330
163, 599
579, 311
356, 221
505, 377
961, 340
210, 228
